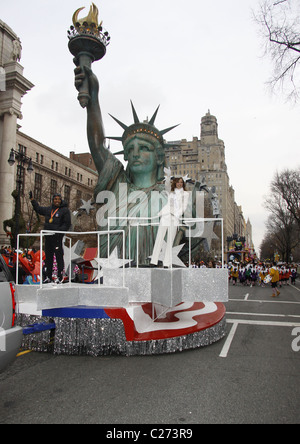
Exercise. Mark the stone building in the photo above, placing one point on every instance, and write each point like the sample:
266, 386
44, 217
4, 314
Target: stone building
13, 86
56, 173
205, 158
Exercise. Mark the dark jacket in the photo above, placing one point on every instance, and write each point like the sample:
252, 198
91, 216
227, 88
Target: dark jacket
61, 219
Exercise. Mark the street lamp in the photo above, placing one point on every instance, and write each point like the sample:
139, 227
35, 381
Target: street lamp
22, 160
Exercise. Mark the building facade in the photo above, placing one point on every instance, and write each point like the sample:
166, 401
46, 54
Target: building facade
55, 173
13, 86
205, 158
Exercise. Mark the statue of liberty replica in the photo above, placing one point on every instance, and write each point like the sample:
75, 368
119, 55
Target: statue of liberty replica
138, 190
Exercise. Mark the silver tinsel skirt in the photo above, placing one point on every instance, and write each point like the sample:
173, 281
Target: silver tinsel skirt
102, 337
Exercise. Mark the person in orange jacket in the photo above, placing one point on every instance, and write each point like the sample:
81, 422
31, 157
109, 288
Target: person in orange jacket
274, 273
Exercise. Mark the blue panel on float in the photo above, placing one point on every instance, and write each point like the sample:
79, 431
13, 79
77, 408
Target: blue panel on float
79, 312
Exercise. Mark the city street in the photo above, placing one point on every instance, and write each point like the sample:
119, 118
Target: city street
251, 376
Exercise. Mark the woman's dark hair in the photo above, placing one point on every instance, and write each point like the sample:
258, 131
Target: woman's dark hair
175, 181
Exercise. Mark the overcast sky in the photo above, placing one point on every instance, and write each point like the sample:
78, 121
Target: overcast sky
188, 56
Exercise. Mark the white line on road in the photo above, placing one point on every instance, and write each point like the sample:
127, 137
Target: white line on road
236, 322
272, 323
262, 314
295, 287
228, 342
271, 301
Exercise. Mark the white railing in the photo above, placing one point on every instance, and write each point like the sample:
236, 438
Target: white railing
184, 222
69, 262
133, 222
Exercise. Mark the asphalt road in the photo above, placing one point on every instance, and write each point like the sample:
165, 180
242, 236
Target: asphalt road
251, 376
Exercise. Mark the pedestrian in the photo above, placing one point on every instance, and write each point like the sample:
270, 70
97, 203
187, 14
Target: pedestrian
274, 273
211, 264
293, 275
57, 218
234, 273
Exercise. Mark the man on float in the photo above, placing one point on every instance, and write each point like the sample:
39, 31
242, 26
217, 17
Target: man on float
57, 218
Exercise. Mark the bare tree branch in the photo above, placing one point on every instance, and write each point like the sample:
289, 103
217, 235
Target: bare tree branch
279, 25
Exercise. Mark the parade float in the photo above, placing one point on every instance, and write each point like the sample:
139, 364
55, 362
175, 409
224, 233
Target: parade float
118, 303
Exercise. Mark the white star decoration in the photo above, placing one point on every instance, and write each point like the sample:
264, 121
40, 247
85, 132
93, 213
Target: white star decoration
112, 261
74, 256
87, 206
175, 252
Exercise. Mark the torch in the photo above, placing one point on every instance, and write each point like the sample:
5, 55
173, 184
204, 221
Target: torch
87, 43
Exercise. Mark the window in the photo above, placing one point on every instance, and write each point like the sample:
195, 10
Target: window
38, 180
53, 188
21, 178
22, 149
67, 192
78, 198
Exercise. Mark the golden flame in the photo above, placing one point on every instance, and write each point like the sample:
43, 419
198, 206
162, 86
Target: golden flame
91, 19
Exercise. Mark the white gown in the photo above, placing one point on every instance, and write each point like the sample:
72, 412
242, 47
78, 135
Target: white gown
170, 218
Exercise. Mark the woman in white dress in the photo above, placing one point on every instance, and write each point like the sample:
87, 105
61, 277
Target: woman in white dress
170, 217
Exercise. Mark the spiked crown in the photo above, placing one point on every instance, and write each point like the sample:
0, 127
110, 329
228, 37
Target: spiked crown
141, 128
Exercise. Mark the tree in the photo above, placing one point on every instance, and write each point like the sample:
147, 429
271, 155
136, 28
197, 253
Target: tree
268, 247
279, 24
284, 221
281, 225
287, 185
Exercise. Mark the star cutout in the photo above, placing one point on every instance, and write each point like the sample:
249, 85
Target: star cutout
87, 206
74, 255
113, 261
175, 252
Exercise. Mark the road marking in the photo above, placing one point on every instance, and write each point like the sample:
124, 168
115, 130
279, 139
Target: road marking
272, 323
235, 323
246, 297
271, 301
229, 339
262, 314
294, 287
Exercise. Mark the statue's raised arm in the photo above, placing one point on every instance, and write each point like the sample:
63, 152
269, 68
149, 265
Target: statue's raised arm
95, 128
87, 43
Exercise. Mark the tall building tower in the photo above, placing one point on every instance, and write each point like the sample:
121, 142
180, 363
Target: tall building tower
13, 86
212, 148
214, 168
205, 158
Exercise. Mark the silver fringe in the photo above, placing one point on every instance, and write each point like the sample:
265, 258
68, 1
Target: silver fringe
39, 342
102, 337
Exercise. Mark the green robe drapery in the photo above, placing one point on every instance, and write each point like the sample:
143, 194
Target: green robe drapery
128, 201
